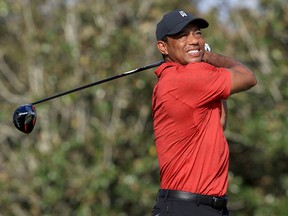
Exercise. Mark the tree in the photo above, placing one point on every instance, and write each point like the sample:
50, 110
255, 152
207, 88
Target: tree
93, 151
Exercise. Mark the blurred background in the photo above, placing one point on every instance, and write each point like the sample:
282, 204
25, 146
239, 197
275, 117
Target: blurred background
92, 152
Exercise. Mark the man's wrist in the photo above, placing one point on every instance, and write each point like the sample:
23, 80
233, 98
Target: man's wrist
206, 56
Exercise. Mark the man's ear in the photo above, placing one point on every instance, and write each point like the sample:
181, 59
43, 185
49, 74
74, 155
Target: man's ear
162, 47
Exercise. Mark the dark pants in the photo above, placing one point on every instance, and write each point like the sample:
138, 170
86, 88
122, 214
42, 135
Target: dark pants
176, 207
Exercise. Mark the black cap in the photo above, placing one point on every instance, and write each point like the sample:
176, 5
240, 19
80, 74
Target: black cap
174, 21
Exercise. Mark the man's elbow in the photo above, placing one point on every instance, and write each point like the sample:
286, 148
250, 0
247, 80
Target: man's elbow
253, 81
244, 84
250, 83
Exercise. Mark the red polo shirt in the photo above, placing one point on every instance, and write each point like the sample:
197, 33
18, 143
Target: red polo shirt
192, 150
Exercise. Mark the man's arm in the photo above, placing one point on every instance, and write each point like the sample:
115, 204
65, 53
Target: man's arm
224, 114
242, 78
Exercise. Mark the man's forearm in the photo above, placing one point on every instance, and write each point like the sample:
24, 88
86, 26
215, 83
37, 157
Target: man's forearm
220, 61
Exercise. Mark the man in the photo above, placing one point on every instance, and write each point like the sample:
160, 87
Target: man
189, 118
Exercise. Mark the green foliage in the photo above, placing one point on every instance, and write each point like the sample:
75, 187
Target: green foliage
92, 152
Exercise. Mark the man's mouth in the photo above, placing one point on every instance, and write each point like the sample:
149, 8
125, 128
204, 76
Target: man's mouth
194, 52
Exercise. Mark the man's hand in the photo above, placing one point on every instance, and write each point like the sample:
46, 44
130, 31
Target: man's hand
207, 47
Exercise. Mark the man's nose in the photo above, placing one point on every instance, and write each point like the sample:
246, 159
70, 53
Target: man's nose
192, 39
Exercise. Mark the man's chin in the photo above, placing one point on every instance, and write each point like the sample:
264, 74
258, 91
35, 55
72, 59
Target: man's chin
195, 60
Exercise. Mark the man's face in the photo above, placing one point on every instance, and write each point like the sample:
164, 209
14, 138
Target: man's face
184, 47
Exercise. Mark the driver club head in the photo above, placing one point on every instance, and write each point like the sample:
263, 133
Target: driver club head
24, 118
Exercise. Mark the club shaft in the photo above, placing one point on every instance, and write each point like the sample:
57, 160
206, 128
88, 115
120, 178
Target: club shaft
100, 81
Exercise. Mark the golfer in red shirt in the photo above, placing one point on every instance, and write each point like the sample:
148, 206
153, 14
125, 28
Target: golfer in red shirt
189, 118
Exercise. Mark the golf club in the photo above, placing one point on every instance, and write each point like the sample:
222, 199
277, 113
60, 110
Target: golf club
24, 117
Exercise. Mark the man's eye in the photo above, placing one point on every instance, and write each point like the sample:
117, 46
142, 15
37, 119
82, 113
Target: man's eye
180, 35
183, 34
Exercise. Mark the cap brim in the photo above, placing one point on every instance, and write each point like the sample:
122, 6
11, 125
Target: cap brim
201, 23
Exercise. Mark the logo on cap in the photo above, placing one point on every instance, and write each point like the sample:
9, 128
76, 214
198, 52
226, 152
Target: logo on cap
182, 13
